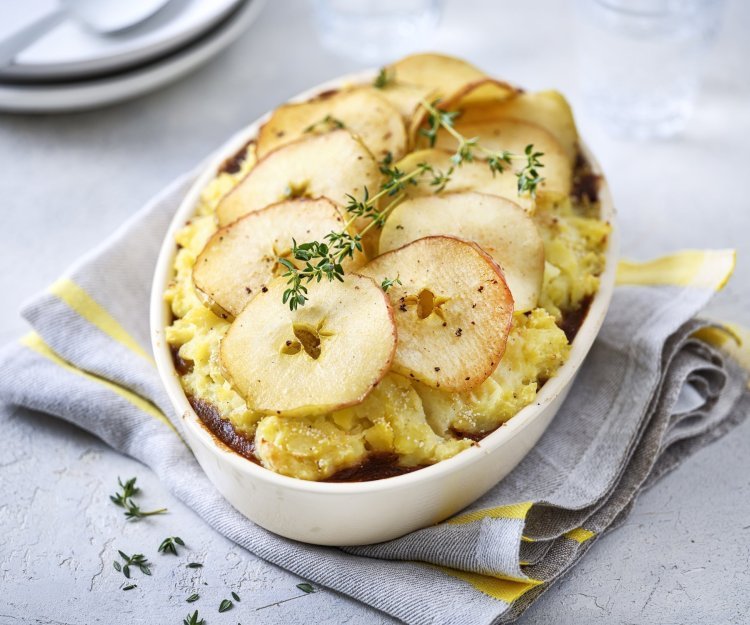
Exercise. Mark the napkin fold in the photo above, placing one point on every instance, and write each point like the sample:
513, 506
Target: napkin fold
657, 385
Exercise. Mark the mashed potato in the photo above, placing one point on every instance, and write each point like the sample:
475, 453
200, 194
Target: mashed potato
419, 425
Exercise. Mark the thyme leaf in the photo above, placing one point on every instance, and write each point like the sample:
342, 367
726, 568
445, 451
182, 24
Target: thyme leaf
384, 78
225, 605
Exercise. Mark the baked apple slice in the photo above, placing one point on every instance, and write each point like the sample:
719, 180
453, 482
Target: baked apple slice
500, 227
331, 165
548, 109
514, 135
326, 355
453, 311
363, 112
241, 258
404, 98
484, 91
444, 74
470, 176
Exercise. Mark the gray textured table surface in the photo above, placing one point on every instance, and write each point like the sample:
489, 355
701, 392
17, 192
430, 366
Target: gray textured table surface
67, 181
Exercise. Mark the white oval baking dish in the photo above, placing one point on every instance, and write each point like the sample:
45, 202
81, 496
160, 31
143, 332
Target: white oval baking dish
363, 512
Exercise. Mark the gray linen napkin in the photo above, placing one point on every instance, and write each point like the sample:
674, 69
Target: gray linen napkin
649, 394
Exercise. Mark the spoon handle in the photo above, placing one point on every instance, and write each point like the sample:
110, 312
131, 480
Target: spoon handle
22, 39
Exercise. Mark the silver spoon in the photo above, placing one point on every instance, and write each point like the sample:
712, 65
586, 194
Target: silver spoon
104, 17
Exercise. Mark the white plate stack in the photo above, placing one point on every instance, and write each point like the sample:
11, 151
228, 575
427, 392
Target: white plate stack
69, 66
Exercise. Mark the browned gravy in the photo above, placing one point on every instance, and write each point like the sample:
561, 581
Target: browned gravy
233, 164
375, 467
223, 430
181, 365
585, 182
572, 321
381, 465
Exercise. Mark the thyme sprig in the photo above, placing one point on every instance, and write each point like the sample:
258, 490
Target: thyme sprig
136, 560
193, 619
528, 177
128, 490
316, 260
124, 499
169, 545
497, 160
387, 283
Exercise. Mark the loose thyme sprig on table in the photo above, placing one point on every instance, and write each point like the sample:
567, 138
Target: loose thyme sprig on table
193, 619
169, 545
124, 500
137, 559
325, 259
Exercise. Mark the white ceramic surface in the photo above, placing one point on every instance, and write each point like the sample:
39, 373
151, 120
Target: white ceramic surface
72, 50
88, 94
363, 512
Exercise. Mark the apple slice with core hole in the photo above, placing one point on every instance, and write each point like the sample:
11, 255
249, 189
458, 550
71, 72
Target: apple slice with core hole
470, 176
330, 165
453, 311
500, 227
326, 355
240, 259
363, 112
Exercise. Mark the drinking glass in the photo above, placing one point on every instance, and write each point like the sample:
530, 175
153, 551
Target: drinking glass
641, 61
375, 31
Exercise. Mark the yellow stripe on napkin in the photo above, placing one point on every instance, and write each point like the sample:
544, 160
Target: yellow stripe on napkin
580, 535
82, 303
34, 342
514, 511
729, 337
503, 589
709, 269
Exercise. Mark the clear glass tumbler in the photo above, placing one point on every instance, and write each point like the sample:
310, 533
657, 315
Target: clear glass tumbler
376, 31
641, 61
